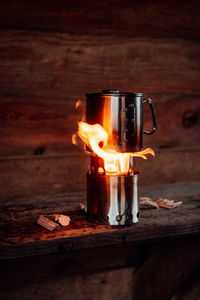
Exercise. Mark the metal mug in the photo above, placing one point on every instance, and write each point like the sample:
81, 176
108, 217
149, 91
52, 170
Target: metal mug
121, 115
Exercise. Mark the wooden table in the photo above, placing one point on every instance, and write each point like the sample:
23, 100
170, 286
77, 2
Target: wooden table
21, 237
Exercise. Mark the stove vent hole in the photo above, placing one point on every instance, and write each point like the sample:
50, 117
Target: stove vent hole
118, 218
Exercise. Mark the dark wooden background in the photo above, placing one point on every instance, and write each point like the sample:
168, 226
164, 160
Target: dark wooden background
53, 52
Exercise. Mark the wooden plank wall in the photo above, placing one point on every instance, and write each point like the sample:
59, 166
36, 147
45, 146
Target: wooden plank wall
53, 52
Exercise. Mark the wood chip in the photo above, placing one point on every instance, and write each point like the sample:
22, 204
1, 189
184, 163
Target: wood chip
83, 207
61, 219
166, 203
161, 202
148, 201
47, 223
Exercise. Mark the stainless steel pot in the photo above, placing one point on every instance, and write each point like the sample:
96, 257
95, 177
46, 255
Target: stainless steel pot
121, 115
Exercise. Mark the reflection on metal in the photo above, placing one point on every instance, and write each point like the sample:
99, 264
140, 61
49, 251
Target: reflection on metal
135, 207
112, 199
112, 193
121, 115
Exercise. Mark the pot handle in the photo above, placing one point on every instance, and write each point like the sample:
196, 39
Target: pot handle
153, 116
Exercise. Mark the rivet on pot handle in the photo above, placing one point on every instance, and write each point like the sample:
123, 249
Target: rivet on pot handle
153, 116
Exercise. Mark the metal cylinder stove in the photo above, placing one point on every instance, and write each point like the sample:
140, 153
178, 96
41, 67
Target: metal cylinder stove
113, 198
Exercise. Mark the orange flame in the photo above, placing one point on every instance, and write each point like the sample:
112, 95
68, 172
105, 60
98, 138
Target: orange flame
74, 139
114, 162
78, 103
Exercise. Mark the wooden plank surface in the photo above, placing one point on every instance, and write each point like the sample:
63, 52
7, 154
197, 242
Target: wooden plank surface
141, 269
50, 55
26, 209
45, 64
27, 239
128, 18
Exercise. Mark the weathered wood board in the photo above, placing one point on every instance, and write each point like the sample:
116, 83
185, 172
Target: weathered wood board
127, 18
44, 126
123, 271
45, 69
54, 175
27, 208
59, 64
51, 53
21, 239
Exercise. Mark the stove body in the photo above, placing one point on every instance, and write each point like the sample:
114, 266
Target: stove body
113, 199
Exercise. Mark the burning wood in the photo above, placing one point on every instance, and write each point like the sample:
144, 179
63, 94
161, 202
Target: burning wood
47, 223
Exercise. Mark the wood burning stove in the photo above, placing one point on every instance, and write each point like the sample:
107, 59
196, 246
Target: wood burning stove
113, 136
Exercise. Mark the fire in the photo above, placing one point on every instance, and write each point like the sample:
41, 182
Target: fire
74, 139
78, 104
115, 163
